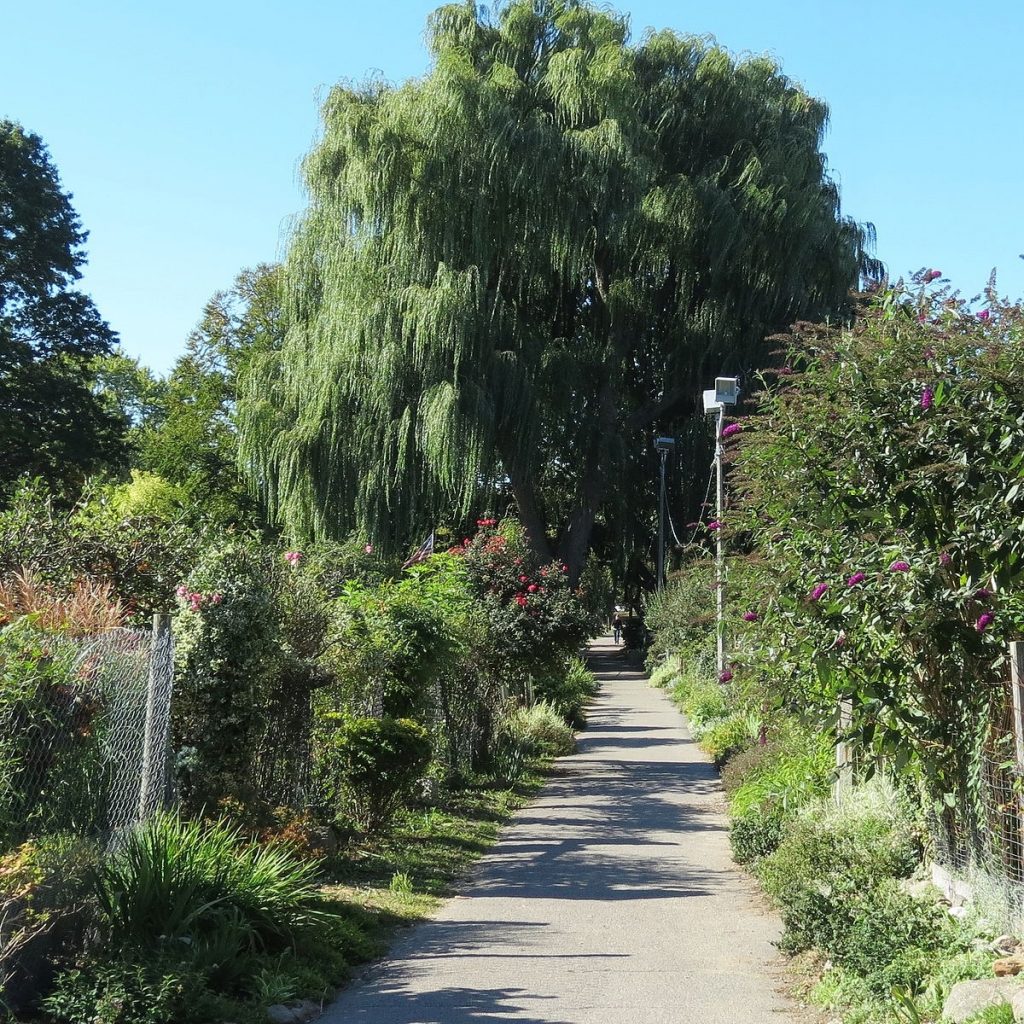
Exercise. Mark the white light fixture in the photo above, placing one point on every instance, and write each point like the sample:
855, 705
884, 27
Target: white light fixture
727, 390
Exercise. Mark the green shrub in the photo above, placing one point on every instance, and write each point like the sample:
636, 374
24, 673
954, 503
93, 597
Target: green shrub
885, 927
101, 991
545, 730
780, 777
179, 884
665, 672
702, 701
228, 654
727, 737
374, 764
755, 835
568, 691
831, 879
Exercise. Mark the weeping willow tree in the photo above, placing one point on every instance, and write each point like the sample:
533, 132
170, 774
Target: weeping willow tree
515, 268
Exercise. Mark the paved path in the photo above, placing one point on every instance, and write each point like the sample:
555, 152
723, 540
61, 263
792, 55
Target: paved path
611, 899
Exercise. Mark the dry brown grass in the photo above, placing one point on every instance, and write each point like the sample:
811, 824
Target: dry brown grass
87, 608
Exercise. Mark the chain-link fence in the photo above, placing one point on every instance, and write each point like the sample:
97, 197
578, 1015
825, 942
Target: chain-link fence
84, 732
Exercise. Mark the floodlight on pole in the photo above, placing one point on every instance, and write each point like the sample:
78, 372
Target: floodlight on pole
663, 445
726, 392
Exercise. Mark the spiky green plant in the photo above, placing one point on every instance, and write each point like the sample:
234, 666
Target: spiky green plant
176, 881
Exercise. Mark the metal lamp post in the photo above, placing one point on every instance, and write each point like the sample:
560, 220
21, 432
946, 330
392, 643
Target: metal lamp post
663, 445
725, 393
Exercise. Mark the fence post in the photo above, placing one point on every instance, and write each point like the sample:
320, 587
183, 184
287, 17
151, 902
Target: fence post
844, 757
154, 743
1017, 692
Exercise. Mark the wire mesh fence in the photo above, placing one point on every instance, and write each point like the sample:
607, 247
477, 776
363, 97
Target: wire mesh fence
84, 732
983, 846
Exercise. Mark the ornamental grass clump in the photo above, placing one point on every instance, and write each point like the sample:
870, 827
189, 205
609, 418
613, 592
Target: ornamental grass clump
175, 883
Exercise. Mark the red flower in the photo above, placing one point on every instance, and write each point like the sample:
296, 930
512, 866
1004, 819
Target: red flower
532, 588
523, 579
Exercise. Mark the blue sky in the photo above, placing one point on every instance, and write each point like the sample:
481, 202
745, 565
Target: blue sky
179, 128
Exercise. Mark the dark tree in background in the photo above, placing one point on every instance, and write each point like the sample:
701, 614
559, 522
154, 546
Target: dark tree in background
52, 423
517, 268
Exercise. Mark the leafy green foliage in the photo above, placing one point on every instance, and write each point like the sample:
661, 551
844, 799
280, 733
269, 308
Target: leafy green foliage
51, 773
111, 534
189, 438
173, 881
372, 765
227, 655
567, 691
883, 493
449, 318
769, 783
831, 878
727, 737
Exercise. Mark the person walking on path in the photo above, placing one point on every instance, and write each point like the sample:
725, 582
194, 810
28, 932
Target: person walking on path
617, 627
611, 898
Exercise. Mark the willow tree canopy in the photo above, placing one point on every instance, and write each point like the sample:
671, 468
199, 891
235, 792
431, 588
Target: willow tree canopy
515, 267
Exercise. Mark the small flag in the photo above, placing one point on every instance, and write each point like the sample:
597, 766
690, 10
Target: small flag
423, 552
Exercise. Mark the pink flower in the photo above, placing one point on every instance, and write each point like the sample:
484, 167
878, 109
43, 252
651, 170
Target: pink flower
857, 577
724, 677
944, 558
565, 568
293, 557
932, 275
984, 621
926, 399
714, 525
182, 591
818, 591
984, 314
532, 588
216, 598
733, 428
750, 616
523, 579
899, 566
521, 600
368, 549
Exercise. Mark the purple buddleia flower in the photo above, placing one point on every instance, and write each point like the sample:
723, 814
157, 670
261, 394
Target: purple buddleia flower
984, 621
945, 558
899, 566
733, 428
750, 616
927, 396
725, 676
818, 591
857, 577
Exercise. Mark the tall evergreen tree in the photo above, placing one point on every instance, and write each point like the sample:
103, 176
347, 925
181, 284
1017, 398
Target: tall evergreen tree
52, 424
514, 269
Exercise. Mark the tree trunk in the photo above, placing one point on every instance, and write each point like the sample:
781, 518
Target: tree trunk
529, 513
576, 542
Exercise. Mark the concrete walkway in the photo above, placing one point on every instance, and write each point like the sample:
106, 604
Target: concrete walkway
612, 899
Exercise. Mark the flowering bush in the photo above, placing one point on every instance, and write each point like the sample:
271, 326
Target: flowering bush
883, 491
536, 620
227, 660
